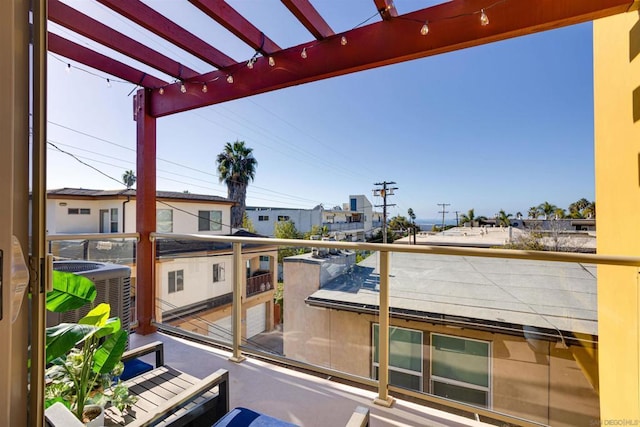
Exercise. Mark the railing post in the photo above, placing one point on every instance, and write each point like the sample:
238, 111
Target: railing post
383, 338
236, 313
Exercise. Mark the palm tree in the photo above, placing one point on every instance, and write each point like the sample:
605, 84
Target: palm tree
469, 217
559, 213
533, 212
236, 167
547, 209
590, 210
503, 218
129, 178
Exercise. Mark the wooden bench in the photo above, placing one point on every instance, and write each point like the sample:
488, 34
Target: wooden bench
166, 397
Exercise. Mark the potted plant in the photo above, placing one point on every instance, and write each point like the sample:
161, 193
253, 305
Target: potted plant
84, 358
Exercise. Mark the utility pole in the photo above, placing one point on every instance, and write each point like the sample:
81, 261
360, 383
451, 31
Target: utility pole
384, 192
444, 205
457, 222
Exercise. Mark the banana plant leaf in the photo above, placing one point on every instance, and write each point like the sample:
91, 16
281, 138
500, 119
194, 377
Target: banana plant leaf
112, 326
110, 353
70, 292
63, 337
98, 316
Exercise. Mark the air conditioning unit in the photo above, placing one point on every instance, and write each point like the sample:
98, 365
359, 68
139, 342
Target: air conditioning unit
113, 286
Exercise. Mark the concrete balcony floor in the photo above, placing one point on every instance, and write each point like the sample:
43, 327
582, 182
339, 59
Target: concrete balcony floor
302, 399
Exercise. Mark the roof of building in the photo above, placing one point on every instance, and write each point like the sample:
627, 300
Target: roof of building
508, 293
89, 193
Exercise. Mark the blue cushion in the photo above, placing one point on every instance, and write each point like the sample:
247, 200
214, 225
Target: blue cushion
134, 367
243, 417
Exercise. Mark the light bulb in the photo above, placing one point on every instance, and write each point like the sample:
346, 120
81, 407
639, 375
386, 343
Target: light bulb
303, 54
108, 83
272, 61
229, 78
425, 28
204, 88
343, 41
484, 19
161, 91
68, 70
250, 64
183, 88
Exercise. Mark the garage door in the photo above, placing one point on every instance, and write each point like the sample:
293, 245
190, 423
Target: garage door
221, 329
256, 320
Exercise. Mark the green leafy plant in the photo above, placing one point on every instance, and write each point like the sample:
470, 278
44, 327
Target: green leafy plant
84, 357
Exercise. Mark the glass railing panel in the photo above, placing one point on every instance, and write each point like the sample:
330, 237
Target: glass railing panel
110, 262
194, 287
516, 337
321, 329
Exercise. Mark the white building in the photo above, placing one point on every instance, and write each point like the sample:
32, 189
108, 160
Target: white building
354, 221
194, 278
78, 210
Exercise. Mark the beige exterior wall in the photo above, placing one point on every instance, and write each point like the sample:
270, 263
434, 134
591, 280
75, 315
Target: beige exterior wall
617, 171
539, 380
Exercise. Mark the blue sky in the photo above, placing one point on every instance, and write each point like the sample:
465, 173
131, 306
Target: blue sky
502, 126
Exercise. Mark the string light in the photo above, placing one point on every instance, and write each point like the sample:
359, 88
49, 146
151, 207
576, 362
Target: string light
68, 70
204, 88
250, 63
183, 88
229, 79
484, 19
108, 83
343, 41
161, 91
303, 54
272, 61
425, 28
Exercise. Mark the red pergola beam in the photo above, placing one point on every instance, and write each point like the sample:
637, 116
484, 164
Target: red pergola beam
76, 21
101, 62
153, 21
309, 17
386, 8
230, 19
390, 42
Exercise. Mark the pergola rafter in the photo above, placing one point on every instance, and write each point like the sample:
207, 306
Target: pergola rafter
237, 24
309, 17
158, 24
93, 59
70, 18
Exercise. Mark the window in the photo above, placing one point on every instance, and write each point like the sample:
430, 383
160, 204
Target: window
283, 217
114, 220
405, 357
164, 220
264, 258
460, 369
176, 281
354, 204
218, 273
209, 220
79, 211
263, 217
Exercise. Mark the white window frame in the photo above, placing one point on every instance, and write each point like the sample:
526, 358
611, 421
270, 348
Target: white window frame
263, 217
170, 221
211, 224
445, 380
375, 364
177, 274
218, 272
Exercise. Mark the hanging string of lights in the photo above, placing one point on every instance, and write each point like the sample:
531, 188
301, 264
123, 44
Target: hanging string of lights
424, 30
